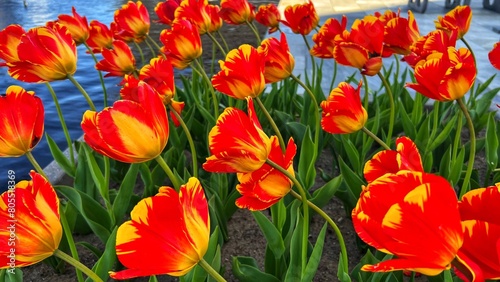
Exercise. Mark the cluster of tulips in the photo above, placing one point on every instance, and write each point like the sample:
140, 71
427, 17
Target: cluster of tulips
442, 224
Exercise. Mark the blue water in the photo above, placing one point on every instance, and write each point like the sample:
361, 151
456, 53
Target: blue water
73, 104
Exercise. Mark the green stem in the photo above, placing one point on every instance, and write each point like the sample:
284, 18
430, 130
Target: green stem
224, 53
472, 152
335, 67
35, 164
470, 49
336, 229
211, 271
190, 140
305, 207
392, 107
316, 110
71, 242
214, 97
374, 137
154, 43
63, 124
67, 258
273, 124
435, 124
140, 52
105, 192
168, 171
150, 48
458, 135
254, 30
223, 39
101, 78
366, 100
85, 94
313, 61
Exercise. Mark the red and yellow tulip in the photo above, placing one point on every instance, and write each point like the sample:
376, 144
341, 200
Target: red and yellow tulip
325, 39
10, 37
118, 61
413, 216
44, 54
29, 216
342, 110
264, 187
279, 62
445, 76
301, 18
458, 19
236, 11
481, 225
182, 43
149, 245
494, 56
436, 41
76, 25
166, 11
100, 37
268, 15
204, 16
132, 21
237, 142
241, 74
129, 131
405, 157
21, 121
400, 33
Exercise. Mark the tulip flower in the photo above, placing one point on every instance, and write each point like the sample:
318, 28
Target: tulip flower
241, 74
342, 110
166, 11
405, 157
264, 187
182, 43
118, 61
481, 225
279, 62
76, 25
132, 21
457, 19
236, 11
268, 15
44, 54
400, 34
413, 216
167, 234
494, 56
436, 41
100, 37
445, 76
301, 18
29, 216
362, 47
129, 131
324, 40
21, 121
204, 16
237, 142
10, 37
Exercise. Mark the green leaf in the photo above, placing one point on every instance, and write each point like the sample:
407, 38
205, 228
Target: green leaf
456, 168
343, 276
11, 275
271, 233
351, 152
122, 200
95, 171
307, 160
245, 269
95, 215
294, 271
491, 143
59, 157
297, 130
108, 258
351, 178
408, 126
313, 263
443, 135
325, 193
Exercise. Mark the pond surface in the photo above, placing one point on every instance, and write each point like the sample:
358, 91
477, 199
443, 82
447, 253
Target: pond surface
37, 13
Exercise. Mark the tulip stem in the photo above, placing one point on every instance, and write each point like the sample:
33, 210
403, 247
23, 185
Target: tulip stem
334, 226
189, 138
67, 258
153, 53
210, 270
366, 98
140, 52
273, 124
168, 171
35, 164
154, 43
305, 207
223, 39
374, 137
85, 94
63, 125
472, 149
313, 61
214, 40
214, 97
101, 78
71, 242
254, 30
471, 51
392, 107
